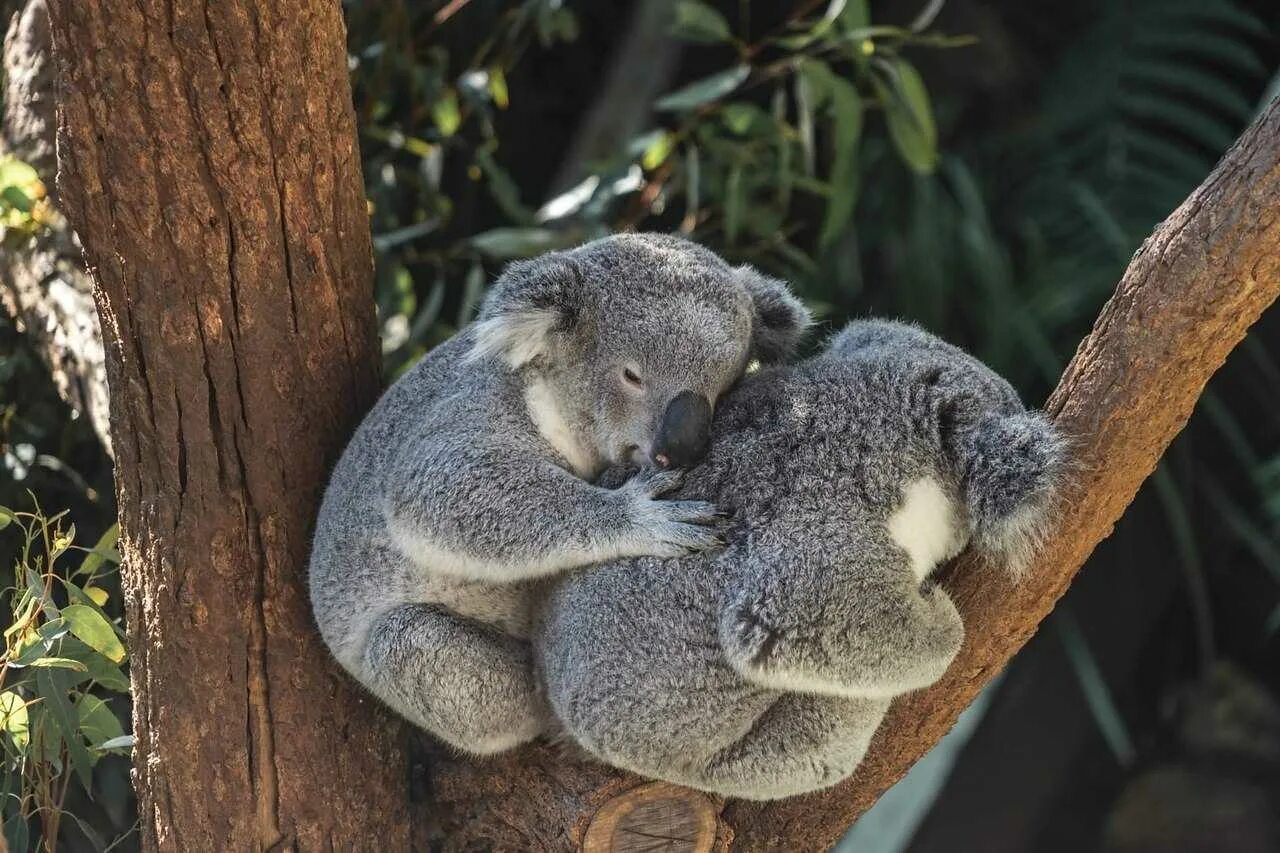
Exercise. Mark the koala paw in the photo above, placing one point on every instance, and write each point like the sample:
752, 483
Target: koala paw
672, 528
652, 482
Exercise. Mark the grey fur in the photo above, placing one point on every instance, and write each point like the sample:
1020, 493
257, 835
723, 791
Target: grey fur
762, 670
468, 483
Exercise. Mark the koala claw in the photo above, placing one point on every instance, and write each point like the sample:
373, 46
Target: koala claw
676, 528
653, 483
677, 539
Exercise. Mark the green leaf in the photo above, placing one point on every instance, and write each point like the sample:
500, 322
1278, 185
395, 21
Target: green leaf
819, 80
97, 724
698, 22
103, 551
40, 646
26, 606
445, 113
507, 243
88, 625
658, 150
704, 91
122, 742
17, 834
6, 517
855, 15
909, 116
52, 686
846, 110
498, 88
744, 118
97, 668
58, 663
14, 172
733, 204
503, 188
14, 719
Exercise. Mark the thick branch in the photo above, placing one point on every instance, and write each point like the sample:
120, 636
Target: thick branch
1188, 297
43, 283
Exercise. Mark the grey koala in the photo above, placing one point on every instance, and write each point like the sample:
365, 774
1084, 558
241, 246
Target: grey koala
762, 670
469, 482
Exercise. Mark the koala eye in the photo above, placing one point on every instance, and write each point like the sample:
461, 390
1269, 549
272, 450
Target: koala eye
632, 378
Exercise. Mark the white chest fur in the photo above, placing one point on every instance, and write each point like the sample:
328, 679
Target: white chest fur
552, 426
925, 526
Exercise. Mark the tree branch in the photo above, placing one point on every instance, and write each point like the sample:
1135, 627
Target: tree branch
1188, 297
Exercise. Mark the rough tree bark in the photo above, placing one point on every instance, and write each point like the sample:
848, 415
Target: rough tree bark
1186, 300
208, 160
43, 284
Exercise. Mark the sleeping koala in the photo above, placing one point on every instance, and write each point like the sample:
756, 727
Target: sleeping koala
762, 670
469, 481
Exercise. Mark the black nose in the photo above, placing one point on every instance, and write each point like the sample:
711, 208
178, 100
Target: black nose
684, 431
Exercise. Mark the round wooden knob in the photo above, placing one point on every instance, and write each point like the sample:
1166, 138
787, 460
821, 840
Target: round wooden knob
657, 816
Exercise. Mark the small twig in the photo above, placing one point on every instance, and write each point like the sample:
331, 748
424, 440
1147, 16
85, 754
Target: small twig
448, 11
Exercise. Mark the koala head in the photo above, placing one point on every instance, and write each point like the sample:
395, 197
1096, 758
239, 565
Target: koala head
639, 334
910, 436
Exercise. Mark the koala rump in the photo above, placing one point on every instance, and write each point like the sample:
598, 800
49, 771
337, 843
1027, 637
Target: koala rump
762, 670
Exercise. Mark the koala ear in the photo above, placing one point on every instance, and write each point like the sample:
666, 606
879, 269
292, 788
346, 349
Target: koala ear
1009, 465
531, 302
780, 319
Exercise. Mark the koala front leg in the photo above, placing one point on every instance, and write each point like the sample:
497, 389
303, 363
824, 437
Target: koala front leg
465, 682
501, 519
800, 744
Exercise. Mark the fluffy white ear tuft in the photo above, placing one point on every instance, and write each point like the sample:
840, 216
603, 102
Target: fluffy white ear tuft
517, 337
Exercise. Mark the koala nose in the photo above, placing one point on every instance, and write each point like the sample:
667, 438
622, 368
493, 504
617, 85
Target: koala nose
684, 431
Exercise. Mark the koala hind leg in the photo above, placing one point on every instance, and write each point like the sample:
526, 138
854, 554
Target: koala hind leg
801, 743
467, 683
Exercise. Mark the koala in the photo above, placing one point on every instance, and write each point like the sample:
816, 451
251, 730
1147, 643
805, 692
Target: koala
762, 670
469, 482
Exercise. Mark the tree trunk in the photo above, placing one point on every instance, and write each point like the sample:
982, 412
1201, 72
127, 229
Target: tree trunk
43, 284
1188, 297
209, 162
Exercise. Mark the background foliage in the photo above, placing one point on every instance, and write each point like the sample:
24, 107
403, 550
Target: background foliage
984, 168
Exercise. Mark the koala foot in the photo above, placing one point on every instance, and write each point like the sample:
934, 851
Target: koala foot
671, 528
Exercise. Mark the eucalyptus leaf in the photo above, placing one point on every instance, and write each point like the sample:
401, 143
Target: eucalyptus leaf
17, 199
698, 22
14, 172
658, 150
472, 287
746, 119
846, 112
98, 724
14, 719
52, 686
17, 834
97, 668
508, 243
445, 113
58, 663
909, 116
89, 626
733, 203
104, 550
855, 15
122, 742
704, 91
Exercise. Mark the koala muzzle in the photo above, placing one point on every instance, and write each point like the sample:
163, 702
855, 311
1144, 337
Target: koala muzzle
684, 431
